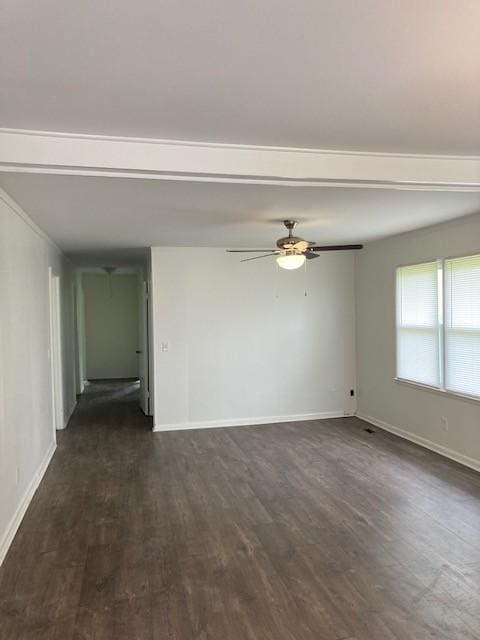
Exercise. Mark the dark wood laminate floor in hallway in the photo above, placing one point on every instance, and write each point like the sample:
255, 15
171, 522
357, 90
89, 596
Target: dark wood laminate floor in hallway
305, 531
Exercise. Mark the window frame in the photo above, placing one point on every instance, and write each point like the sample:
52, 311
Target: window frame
442, 338
446, 389
440, 325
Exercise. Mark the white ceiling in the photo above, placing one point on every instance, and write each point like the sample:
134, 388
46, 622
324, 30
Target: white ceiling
375, 75
94, 218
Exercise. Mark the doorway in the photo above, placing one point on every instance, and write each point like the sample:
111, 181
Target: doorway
113, 328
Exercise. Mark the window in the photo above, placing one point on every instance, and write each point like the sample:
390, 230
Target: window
418, 323
462, 325
442, 352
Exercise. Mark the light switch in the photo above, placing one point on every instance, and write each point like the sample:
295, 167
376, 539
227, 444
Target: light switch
164, 346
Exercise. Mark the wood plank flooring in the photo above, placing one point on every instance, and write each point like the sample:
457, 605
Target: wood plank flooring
307, 531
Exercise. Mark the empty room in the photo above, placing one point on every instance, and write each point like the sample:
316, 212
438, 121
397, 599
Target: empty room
240, 320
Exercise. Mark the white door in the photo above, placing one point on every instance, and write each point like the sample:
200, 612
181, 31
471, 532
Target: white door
143, 346
56, 351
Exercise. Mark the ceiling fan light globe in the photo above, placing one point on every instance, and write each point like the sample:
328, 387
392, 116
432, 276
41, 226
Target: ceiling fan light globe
291, 261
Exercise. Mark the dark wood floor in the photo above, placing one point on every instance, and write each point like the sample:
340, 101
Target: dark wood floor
306, 531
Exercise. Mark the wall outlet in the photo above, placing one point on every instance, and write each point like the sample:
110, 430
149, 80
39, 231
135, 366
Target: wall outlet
444, 423
164, 346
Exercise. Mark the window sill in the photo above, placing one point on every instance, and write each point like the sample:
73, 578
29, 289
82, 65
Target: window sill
443, 392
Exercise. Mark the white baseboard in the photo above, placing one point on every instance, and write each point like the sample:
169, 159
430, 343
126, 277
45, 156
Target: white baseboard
244, 422
69, 414
461, 458
12, 528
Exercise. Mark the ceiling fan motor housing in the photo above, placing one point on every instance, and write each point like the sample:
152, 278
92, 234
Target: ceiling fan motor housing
288, 241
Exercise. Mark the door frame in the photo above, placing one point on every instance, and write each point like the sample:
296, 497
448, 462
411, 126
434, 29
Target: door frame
55, 351
144, 346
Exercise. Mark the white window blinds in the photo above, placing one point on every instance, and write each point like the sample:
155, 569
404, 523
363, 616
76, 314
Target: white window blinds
419, 323
462, 325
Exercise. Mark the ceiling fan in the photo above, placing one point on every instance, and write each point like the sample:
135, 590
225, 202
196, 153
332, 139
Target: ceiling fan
292, 251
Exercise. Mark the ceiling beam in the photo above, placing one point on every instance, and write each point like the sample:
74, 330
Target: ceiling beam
76, 154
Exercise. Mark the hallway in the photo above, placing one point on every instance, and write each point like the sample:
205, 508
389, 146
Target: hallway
277, 532
85, 520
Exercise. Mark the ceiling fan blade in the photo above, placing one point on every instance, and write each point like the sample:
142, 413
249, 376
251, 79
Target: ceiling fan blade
267, 255
338, 247
310, 255
249, 250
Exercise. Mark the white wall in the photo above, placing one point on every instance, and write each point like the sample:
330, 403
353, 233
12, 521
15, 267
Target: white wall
413, 412
244, 343
111, 325
27, 438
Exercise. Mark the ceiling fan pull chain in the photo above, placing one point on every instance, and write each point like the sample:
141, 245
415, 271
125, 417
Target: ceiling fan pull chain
305, 275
